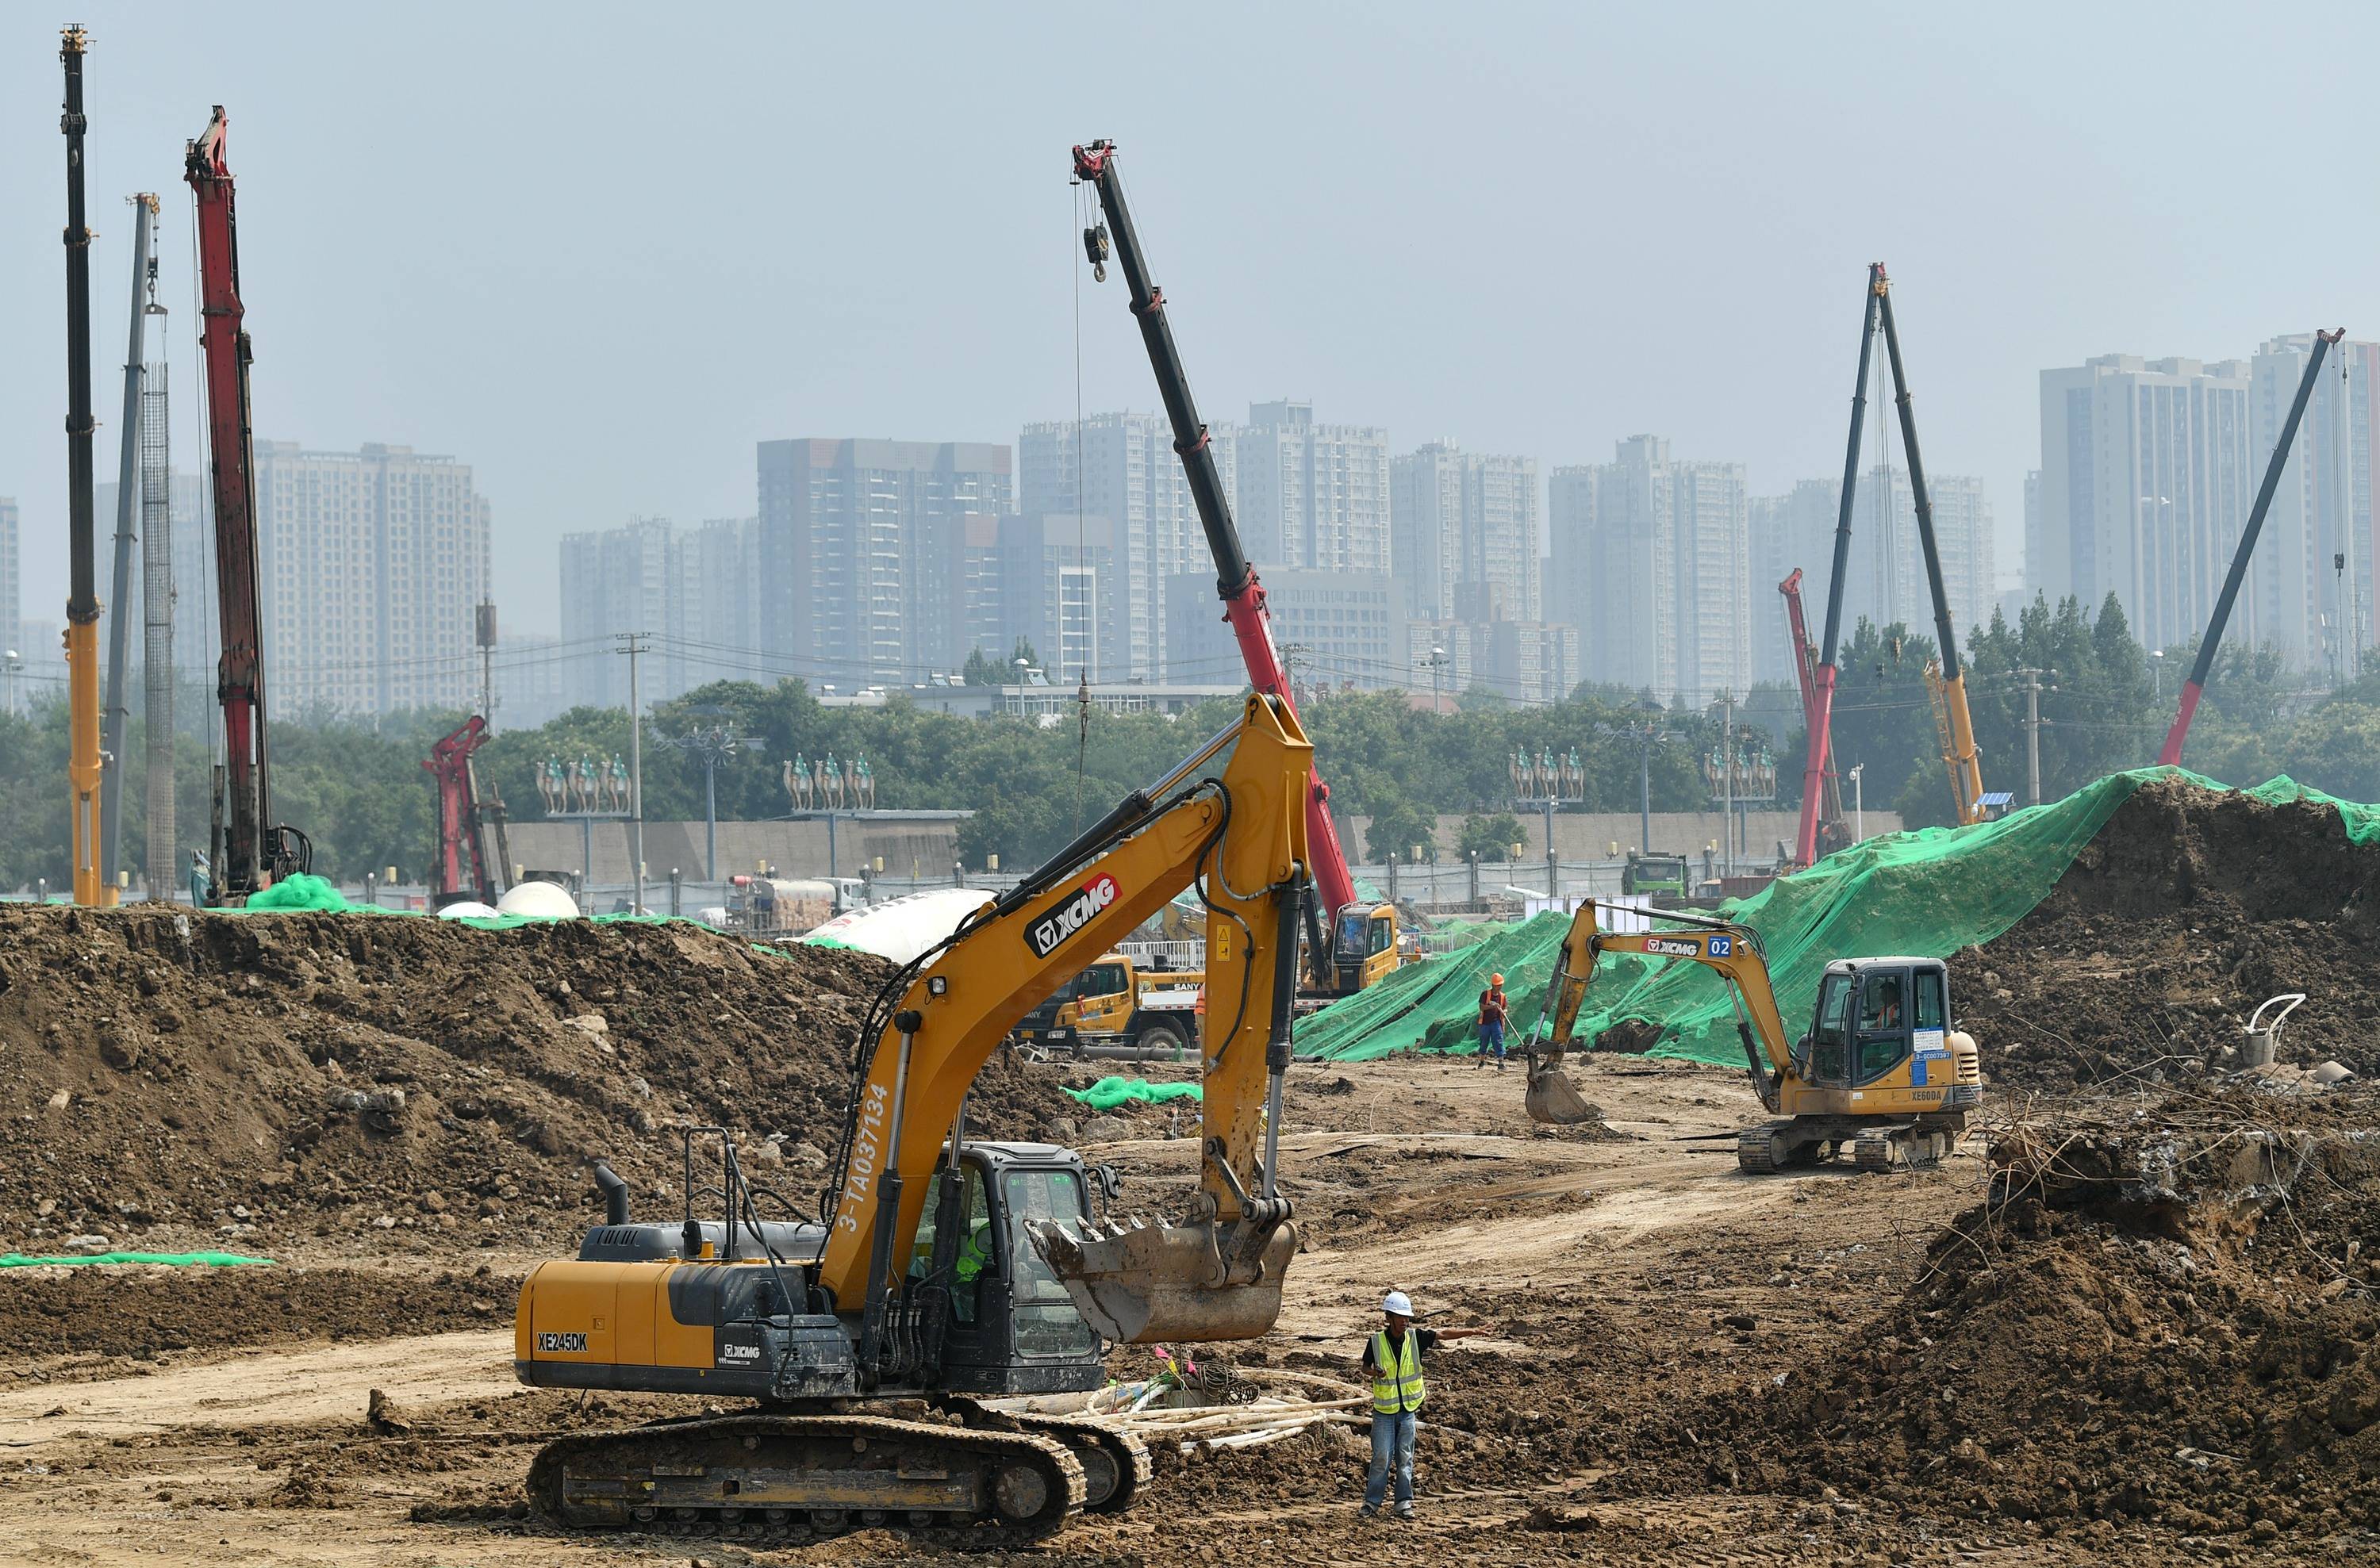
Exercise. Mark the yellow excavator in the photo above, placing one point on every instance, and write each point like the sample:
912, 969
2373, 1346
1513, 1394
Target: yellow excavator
1881, 1073
944, 1274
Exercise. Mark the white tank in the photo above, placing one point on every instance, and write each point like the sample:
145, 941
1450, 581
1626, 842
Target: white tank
538, 900
903, 928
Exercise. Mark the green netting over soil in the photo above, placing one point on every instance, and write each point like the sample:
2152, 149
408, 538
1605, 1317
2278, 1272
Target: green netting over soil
1110, 1092
1928, 893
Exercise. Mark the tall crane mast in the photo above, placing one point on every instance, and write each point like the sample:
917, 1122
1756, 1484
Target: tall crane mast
1949, 688
1820, 705
1235, 578
121, 609
2169, 754
82, 591
244, 854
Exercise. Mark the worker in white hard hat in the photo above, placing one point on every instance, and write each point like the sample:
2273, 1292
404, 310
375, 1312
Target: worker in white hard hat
1393, 1357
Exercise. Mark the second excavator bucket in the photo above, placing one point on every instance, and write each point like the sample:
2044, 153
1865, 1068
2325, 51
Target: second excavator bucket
1143, 1285
1553, 1098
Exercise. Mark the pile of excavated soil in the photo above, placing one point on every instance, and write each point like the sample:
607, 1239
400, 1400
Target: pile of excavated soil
53, 1321
2168, 1317
247, 1080
2188, 908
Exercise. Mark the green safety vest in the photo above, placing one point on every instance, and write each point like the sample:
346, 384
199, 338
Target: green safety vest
1396, 1374
975, 1255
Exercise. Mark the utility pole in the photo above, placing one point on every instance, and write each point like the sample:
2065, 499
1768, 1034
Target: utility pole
1726, 766
486, 629
120, 611
2033, 734
83, 590
1859, 804
633, 645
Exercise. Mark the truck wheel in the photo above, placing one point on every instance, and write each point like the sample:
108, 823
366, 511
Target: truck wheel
1167, 1037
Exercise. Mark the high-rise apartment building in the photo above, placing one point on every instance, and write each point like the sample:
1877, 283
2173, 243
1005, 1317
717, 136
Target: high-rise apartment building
1795, 530
877, 557
693, 591
1464, 534
1064, 592
1652, 558
197, 633
12, 587
2147, 471
372, 563
624, 579
1333, 627
2314, 561
1122, 466
1885, 580
719, 597
1313, 497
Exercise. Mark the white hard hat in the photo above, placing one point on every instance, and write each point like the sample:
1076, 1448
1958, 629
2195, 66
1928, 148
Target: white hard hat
1399, 1303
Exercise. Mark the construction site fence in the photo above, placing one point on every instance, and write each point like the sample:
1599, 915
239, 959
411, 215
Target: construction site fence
1929, 893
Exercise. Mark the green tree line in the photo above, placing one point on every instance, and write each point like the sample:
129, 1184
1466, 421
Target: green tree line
357, 787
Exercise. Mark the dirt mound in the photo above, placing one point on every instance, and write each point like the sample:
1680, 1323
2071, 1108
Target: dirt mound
2189, 908
242, 1079
2170, 1317
146, 1313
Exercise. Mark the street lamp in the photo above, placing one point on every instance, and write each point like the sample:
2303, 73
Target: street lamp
1434, 662
1859, 804
714, 744
2157, 675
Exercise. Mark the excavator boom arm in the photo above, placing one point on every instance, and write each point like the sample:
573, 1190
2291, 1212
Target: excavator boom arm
1733, 950
1235, 578
1243, 835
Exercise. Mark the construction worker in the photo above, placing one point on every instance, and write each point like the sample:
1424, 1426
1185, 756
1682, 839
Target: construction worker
1493, 1011
1392, 1357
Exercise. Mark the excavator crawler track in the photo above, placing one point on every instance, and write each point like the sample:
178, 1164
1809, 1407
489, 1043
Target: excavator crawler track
1901, 1148
811, 1477
1758, 1151
1115, 1465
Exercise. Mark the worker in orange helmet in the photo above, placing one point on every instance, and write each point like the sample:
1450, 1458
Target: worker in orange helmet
1493, 1011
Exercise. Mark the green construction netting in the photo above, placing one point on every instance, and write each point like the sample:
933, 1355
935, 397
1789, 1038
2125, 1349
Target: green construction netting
1110, 1092
180, 1259
1928, 893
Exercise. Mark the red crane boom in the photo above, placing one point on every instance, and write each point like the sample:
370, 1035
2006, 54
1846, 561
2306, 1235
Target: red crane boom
244, 855
1830, 833
1235, 578
464, 867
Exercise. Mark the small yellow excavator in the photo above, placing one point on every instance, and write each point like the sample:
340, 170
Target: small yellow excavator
945, 1275
1881, 1072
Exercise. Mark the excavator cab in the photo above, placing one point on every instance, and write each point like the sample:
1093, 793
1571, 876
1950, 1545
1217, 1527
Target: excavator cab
1875, 1017
1364, 947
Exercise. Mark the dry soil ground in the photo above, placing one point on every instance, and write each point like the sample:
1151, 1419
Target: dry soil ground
1630, 1285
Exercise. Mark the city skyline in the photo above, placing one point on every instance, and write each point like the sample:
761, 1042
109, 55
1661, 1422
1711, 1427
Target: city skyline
2078, 227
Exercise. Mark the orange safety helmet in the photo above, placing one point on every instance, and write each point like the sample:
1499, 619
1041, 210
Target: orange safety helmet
1495, 980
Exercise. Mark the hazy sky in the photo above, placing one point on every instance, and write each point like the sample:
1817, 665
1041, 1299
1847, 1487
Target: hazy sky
599, 251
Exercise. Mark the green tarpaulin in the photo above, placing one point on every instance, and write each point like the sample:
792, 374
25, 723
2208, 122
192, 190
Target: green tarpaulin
1110, 1092
1928, 893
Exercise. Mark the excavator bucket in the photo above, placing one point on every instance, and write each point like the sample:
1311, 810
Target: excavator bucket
1142, 1284
1553, 1098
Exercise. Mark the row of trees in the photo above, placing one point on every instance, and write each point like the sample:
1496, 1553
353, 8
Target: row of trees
358, 788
